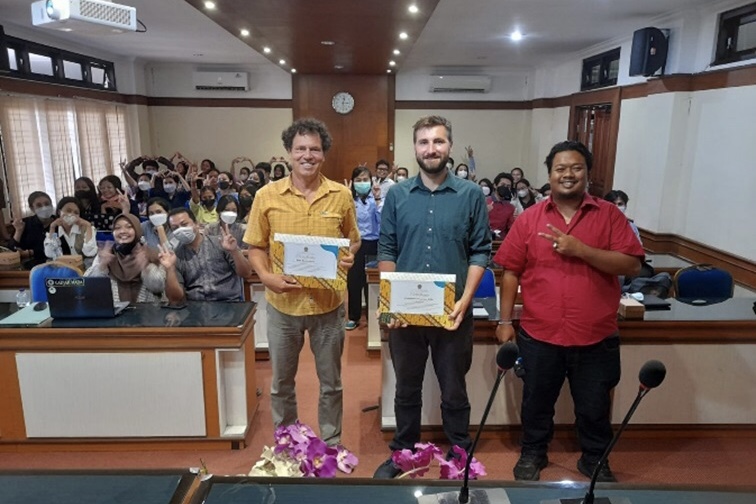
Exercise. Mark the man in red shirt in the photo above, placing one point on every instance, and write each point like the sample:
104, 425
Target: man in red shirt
500, 209
565, 255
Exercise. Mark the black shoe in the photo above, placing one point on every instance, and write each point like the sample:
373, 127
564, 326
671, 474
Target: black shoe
387, 470
605, 474
528, 468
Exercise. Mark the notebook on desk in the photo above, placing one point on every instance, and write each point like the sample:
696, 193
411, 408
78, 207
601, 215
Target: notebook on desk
89, 297
651, 302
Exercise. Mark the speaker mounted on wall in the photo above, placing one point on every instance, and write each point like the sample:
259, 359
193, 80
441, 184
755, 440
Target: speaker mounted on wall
649, 52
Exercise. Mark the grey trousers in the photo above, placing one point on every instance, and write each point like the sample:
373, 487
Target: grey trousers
285, 342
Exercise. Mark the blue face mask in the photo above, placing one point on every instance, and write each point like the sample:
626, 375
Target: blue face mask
362, 188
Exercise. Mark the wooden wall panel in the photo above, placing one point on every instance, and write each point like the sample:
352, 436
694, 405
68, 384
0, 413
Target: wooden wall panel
363, 135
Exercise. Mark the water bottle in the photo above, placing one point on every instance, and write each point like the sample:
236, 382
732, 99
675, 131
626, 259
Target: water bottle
23, 298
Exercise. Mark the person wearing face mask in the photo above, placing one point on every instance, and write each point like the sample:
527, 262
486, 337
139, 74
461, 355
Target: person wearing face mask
134, 272
368, 204
157, 213
462, 171
243, 175
29, 232
620, 199
86, 192
150, 167
173, 188
203, 205
487, 187
501, 212
226, 185
526, 195
246, 198
401, 174
143, 193
70, 234
230, 218
202, 267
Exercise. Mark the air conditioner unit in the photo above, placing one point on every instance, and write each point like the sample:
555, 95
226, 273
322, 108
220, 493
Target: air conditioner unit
84, 16
460, 84
221, 81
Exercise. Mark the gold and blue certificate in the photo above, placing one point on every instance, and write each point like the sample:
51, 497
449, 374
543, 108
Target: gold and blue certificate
312, 260
418, 299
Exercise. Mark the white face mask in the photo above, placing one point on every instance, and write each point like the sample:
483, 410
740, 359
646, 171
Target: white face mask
486, 190
44, 212
158, 219
399, 178
462, 174
169, 188
228, 217
143, 185
184, 235
70, 219
522, 193
622, 208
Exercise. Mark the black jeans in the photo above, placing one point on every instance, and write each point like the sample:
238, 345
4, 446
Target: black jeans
357, 279
593, 371
451, 354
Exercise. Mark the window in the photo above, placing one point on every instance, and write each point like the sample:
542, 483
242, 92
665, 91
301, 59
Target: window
736, 37
600, 71
33, 61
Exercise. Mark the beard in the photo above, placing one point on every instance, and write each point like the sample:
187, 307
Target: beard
433, 171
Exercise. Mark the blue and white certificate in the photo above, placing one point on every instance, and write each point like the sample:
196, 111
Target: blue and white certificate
311, 256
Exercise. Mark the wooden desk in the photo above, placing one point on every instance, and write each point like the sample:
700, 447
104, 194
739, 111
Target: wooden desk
151, 378
710, 354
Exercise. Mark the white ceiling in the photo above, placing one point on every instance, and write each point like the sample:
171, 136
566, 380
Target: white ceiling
461, 33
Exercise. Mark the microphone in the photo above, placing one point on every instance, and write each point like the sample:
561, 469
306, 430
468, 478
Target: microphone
651, 375
506, 358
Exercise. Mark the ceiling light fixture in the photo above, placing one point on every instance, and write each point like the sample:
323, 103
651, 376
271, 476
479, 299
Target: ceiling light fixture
388, 71
338, 67
327, 42
266, 50
293, 70
516, 35
403, 36
244, 32
392, 63
282, 62
397, 52
413, 9
210, 5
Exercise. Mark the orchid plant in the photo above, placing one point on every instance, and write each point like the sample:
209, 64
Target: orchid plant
299, 452
418, 462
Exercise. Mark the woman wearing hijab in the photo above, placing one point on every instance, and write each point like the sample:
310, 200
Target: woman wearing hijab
135, 273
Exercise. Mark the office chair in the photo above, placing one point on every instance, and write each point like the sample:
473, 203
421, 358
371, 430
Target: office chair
487, 286
703, 284
42, 272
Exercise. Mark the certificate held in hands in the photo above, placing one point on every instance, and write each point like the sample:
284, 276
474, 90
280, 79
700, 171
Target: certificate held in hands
312, 260
418, 299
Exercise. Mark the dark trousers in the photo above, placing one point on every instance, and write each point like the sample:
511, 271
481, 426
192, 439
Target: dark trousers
593, 371
451, 354
357, 279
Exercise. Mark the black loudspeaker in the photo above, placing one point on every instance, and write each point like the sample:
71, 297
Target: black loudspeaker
649, 52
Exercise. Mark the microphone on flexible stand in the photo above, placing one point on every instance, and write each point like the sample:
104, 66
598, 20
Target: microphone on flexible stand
650, 376
506, 358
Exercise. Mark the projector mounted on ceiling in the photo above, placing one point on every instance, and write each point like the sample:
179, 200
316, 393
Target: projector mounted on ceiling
84, 16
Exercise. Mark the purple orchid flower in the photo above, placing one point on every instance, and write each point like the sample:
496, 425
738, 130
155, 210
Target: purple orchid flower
345, 460
454, 468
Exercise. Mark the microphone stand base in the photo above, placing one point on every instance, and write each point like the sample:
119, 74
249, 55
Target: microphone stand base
477, 496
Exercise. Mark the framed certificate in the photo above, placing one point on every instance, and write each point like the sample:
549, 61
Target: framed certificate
419, 299
312, 260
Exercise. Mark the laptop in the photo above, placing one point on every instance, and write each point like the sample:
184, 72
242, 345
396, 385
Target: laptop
84, 298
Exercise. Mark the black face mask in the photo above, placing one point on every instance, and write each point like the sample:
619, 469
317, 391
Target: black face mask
209, 203
124, 248
83, 195
223, 185
245, 201
504, 192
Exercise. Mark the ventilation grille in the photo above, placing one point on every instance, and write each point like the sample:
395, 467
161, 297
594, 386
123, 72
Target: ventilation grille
220, 88
103, 12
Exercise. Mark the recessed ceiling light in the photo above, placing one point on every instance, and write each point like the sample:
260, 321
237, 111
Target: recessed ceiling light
397, 52
282, 62
403, 36
338, 67
293, 70
327, 42
413, 9
516, 35
392, 63
244, 32
388, 71
209, 5
266, 50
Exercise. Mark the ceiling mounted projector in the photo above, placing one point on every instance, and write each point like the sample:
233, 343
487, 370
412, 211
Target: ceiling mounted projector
84, 16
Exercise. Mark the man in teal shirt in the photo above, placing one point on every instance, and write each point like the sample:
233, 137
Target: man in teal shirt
434, 223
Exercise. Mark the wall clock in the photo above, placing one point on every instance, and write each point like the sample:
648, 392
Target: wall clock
342, 102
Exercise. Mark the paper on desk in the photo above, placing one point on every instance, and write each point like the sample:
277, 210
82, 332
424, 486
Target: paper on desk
27, 316
480, 313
